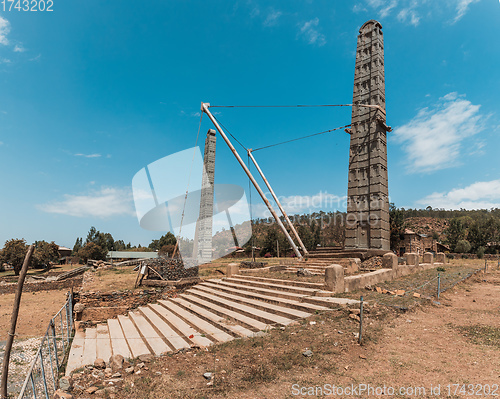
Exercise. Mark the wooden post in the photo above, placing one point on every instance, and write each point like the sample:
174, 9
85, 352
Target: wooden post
13, 321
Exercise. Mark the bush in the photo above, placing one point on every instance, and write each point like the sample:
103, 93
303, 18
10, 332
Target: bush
480, 253
463, 246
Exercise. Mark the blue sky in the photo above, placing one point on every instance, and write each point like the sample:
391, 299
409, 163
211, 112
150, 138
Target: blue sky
94, 91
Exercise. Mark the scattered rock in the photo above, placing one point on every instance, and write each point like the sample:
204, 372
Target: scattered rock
146, 358
60, 394
416, 295
354, 317
129, 370
91, 390
116, 362
208, 376
65, 383
312, 323
140, 365
116, 375
400, 292
79, 307
379, 290
304, 272
340, 332
99, 363
362, 357
307, 353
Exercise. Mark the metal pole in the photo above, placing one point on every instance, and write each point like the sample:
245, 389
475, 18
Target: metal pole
360, 320
485, 265
278, 247
54, 341
204, 108
43, 375
278, 203
439, 285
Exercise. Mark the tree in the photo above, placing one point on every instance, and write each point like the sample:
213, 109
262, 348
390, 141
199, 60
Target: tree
455, 232
167, 239
92, 251
45, 254
463, 246
396, 222
78, 245
13, 253
92, 235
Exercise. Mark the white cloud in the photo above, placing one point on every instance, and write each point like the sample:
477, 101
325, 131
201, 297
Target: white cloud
480, 195
272, 18
104, 203
462, 8
4, 61
4, 31
88, 155
19, 48
432, 139
408, 15
387, 8
311, 34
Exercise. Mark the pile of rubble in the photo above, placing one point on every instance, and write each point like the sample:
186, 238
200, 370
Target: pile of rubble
252, 265
171, 269
103, 379
373, 263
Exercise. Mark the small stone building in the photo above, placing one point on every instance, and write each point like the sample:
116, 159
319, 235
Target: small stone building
420, 243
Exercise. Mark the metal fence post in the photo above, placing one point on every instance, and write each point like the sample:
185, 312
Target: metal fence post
54, 341
43, 375
485, 265
439, 286
62, 332
54, 376
360, 320
67, 322
33, 385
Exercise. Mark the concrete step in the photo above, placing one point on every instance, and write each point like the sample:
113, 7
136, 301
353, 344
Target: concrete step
274, 286
134, 339
154, 342
248, 322
264, 295
104, 351
234, 329
250, 311
75, 356
173, 339
194, 336
89, 347
295, 283
119, 345
235, 295
216, 334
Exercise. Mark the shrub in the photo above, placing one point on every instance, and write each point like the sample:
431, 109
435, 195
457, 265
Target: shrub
480, 253
463, 246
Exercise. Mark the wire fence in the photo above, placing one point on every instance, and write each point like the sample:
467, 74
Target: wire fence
43, 375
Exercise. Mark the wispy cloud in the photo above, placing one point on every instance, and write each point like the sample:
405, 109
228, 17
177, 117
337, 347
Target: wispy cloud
308, 30
5, 61
1, 142
4, 31
411, 11
272, 18
104, 203
433, 138
18, 48
88, 155
462, 8
479, 195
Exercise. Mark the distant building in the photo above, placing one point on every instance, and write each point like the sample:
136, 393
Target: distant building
420, 243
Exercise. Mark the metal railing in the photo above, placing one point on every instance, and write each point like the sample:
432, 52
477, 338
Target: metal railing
43, 375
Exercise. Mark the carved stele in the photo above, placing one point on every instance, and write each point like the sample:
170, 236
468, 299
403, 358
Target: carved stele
367, 225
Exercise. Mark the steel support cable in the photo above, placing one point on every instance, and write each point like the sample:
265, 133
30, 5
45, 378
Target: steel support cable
302, 138
283, 106
228, 132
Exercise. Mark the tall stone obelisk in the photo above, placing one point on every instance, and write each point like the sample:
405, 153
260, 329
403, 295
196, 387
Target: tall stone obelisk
202, 249
367, 224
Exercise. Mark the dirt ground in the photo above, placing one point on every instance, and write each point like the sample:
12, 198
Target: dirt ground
456, 342
34, 313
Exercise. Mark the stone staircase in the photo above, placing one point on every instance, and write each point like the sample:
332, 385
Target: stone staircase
315, 266
211, 312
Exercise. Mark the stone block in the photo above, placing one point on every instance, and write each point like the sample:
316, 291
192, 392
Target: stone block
232, 269
334, 278
412, 259
390, 261
429, 258
440, 257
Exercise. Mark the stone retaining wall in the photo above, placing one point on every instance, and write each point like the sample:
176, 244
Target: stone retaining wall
75, 283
